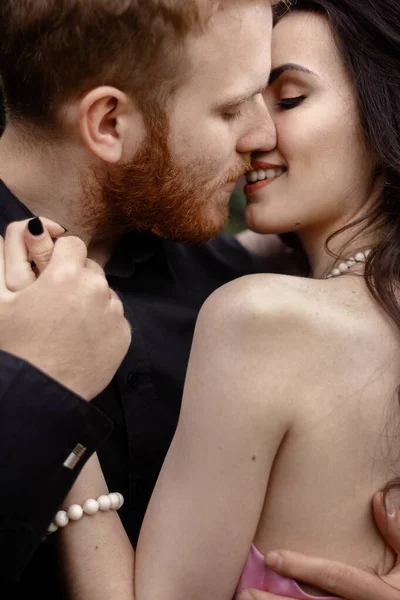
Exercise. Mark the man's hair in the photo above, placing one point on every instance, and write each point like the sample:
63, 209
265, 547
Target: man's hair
55, 50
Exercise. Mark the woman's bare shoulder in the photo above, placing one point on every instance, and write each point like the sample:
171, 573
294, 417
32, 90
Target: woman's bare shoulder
296, 307
245, 344
266, 297
257, 328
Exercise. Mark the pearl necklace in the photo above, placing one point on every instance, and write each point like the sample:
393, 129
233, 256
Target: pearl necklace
345, 266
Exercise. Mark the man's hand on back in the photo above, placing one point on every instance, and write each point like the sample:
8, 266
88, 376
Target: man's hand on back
339, 579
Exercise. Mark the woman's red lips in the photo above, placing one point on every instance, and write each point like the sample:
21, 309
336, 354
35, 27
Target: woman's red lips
251, 188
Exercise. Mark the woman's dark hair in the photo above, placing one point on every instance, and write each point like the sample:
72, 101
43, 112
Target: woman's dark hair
367, 33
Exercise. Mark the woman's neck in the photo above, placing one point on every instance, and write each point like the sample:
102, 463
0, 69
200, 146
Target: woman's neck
331, 243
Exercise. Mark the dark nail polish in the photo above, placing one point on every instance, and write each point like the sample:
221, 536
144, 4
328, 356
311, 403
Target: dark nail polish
35, 226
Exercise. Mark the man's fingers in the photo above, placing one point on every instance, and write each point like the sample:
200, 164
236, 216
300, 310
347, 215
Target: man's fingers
387, 521
257, 595
337, 578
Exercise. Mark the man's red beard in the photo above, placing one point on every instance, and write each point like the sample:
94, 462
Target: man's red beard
154, 193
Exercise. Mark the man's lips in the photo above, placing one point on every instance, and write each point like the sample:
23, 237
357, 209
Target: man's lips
234, 178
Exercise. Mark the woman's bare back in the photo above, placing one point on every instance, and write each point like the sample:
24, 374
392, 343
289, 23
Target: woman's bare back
344, 368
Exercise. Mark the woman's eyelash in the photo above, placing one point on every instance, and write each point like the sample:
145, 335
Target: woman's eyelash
288, 103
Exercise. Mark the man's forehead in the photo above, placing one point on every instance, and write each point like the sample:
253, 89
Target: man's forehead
235, 50
246, 20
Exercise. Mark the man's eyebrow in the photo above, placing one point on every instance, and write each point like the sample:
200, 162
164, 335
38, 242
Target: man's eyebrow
244, 96
276, 73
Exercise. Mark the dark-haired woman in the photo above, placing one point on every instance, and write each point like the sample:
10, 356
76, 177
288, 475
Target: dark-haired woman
290, 419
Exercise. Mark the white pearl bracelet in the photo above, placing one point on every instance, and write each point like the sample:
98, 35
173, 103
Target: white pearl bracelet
75, 512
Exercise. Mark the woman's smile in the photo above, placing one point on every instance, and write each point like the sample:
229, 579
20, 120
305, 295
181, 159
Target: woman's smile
261, 175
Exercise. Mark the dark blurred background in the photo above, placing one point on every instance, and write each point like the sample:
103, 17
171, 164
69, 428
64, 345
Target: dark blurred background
237, 204
1, 111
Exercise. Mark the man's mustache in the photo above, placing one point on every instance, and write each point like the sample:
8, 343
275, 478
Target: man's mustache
237, 172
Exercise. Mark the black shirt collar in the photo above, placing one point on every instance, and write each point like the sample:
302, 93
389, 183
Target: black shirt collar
133, 249
11, 209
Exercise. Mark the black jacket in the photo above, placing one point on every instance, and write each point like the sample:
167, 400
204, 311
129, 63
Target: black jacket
41, 424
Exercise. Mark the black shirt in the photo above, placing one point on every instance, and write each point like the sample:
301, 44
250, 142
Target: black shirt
163, 286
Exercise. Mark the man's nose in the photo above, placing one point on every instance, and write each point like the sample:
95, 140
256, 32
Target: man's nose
261, 133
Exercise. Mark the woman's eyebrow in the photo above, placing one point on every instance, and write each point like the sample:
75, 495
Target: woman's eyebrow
277, 72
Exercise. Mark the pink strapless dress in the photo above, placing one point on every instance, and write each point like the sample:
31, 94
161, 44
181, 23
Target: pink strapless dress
258, 576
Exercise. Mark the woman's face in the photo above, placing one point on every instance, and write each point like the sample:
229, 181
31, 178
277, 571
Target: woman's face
320, 174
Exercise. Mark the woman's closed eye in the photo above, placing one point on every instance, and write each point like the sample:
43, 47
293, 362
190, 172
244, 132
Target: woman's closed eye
288, 103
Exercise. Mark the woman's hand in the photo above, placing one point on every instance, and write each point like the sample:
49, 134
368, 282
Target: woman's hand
341, 580
57, 313
28, 248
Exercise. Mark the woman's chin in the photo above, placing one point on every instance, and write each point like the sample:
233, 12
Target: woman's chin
258, 221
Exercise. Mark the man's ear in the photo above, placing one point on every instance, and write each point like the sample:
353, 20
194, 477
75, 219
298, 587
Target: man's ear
106, 119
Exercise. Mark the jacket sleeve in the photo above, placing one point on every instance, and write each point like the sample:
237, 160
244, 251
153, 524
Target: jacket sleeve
47, 433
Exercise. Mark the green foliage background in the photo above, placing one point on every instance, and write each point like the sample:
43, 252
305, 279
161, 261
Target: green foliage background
235, 223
